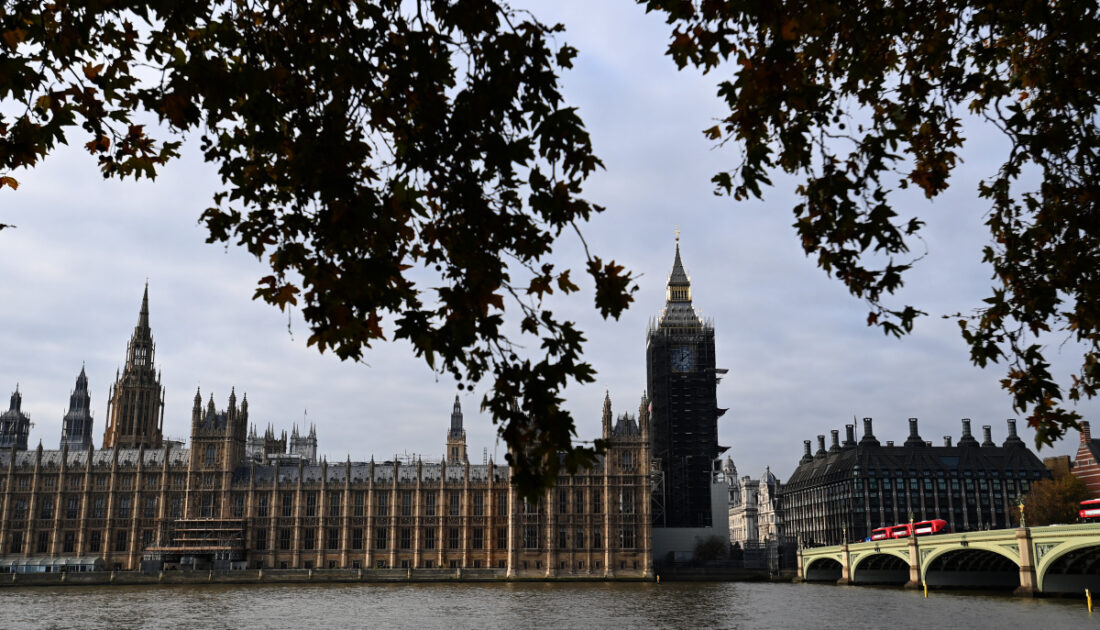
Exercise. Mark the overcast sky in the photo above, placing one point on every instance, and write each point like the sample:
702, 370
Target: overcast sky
801, 359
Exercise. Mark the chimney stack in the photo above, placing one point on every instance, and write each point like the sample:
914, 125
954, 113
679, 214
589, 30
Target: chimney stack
967, 439
820, 447
987, 435
868, 438
914, 436
806, 455
835, 447
849, 435
1012, 439
947, 441
1086, 435
890, 443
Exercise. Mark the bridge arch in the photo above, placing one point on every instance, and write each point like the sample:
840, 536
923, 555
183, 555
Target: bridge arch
1070, 568
881, 567
971, 566
823, 569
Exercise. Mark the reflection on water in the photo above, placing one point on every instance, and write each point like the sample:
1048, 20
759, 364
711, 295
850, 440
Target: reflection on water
530, 605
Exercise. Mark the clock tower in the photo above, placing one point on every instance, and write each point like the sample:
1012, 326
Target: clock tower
682, 387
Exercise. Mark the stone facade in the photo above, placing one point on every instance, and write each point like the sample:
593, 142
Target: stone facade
852, 488
234, 500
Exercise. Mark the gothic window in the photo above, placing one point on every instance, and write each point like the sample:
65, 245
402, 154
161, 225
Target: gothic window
46, 510
563, 500
69, 542
261, 539
284, 539
578, 541
44, 543
311, 504
563, 538
20, 509
99, 507
332, 538
175, 509
530, 537
429, 538
95, 541
288, 504
452, 538
146, 538
120, 541
597, 500
124, 507
262, 505
357, 538
211, 455
206, 508
597, 539
478, 537
334, 503
502, 504
380, 538
16, 543
579, 500
309, 538
357, 509
238, 505
72, 507
479, 503
502, 538
626, 501
429, 503
406, 538
406, 503
383, 506
454, 508
150, 507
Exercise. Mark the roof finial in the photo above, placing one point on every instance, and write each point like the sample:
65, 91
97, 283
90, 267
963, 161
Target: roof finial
677, 234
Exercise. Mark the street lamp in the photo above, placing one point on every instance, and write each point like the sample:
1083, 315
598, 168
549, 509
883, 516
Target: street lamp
1023, 519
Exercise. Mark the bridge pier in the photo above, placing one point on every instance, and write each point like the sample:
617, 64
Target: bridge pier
1028, 581
845, 565
914, 564
800, 576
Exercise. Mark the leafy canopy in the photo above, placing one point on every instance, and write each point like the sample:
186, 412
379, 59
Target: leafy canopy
1053, 501
861, 99
404, 168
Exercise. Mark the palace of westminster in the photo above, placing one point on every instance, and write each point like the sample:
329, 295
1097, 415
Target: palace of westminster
234, 499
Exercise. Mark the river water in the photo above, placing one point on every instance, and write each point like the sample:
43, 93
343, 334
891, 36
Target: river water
523, 606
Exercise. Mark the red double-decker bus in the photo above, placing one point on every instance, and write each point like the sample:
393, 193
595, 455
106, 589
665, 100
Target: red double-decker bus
922, 528
1090, 511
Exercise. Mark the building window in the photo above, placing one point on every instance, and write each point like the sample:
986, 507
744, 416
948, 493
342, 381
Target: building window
626, 501
238, 505
120, 540
530, 537
15, 544
597, 500
124, 507
357, 505
288, 504
261, 539
150, 507
44, 543
502, 538
20, 510
478, 537
479, 504
95, 541
429, 538
406, 503
69, 542
383, 505
284, 539
563, 500
206, 506
579, 500
334, 503
333, 537
563, 539
211, 455
597, 538
46, 511
627, 539
311, 504
452, 538
380, 541
262, 506
454, 500
357, 538
72, 508
406, 538
579, 540
146, 538
429, 503
176, 508
309, 538
502, 504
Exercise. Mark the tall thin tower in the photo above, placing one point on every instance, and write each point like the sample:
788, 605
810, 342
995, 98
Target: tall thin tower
76, 426
135, 407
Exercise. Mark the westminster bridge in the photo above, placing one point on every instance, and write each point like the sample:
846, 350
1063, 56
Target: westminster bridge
1031, 560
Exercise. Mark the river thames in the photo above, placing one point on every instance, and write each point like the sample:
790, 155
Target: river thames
587, 606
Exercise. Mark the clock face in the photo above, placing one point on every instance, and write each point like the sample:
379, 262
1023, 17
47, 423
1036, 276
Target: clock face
682, 358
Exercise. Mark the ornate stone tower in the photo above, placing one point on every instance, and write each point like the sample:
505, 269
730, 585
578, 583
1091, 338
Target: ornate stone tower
304, 446
456, 437
15, 426
76, 426
217, 446
682, 385
135, 408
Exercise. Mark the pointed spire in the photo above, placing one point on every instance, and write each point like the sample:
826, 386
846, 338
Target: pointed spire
678, 277
607, 414
143, 317
456, 418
